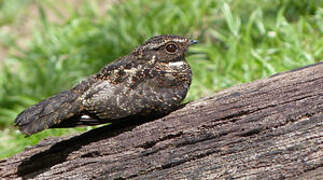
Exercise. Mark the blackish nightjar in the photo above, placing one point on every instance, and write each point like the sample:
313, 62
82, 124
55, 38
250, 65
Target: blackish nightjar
153, 79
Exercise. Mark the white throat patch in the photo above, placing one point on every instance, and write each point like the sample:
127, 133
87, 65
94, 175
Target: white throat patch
176, 64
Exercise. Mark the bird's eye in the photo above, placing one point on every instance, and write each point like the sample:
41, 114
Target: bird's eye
171, 47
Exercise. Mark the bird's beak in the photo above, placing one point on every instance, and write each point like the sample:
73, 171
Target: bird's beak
192, 42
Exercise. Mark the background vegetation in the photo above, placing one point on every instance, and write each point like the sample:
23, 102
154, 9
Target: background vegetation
48, 46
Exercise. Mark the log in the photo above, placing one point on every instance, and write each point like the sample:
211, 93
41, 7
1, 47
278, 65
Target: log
267, 129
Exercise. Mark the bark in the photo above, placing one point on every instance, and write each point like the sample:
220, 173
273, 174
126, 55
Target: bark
267, 129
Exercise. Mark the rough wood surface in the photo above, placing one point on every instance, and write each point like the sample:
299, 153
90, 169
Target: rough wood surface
268, 129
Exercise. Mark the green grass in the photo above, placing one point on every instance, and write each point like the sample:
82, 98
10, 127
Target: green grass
241, 41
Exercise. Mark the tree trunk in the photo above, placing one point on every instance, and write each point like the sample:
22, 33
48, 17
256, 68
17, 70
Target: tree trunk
267, 129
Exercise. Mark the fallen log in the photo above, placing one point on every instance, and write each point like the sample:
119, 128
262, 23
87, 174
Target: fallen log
267, 129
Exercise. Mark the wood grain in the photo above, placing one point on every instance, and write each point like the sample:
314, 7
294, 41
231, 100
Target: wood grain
267, 129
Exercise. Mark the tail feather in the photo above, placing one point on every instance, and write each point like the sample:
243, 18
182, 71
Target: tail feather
48, 113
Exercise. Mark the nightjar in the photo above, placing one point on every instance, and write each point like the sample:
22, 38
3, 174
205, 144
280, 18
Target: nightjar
153, 78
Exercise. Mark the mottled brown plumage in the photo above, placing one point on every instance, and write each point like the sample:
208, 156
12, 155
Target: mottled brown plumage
154, 78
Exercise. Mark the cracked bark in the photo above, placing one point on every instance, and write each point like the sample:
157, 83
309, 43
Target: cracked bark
267, 129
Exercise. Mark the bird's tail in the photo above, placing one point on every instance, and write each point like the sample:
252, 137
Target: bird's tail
48, 112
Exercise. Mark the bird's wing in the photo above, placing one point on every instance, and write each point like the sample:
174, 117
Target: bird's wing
114, 101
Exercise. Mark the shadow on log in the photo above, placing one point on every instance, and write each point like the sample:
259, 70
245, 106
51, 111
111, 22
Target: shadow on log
267, 129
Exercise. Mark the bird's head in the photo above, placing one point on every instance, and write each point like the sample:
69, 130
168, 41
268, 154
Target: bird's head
164, 48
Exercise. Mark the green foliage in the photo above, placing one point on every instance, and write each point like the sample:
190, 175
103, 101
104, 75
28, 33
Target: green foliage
11, 9
241, 41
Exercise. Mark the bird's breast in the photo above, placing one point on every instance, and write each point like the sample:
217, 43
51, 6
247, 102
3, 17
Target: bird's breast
172, 74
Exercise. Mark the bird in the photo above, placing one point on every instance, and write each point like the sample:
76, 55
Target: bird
153, 79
